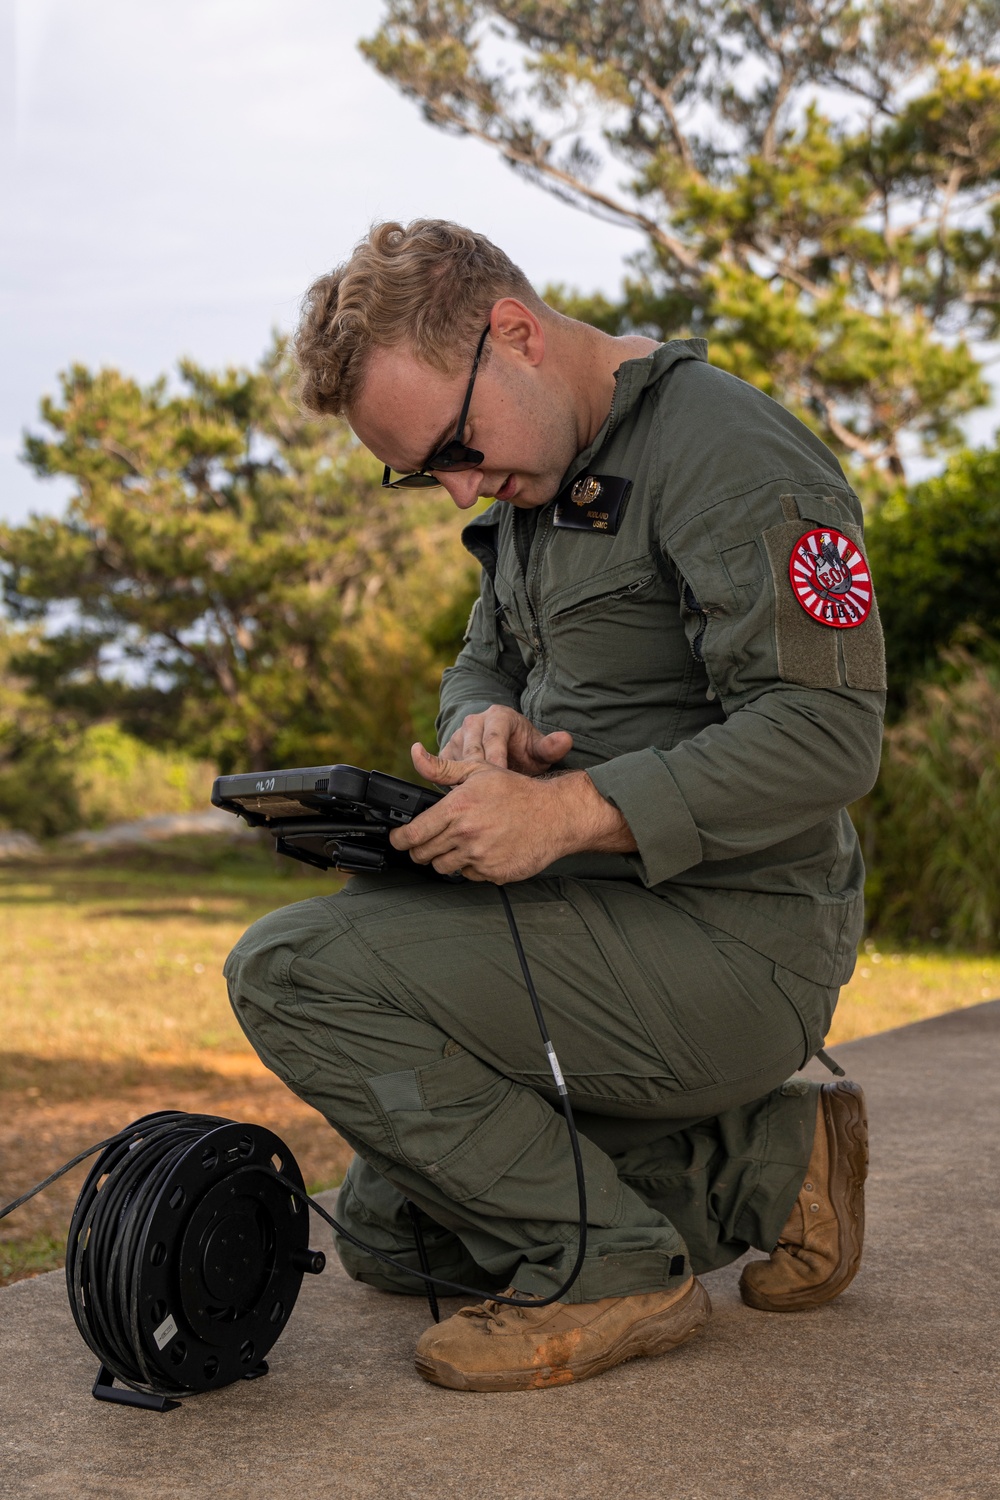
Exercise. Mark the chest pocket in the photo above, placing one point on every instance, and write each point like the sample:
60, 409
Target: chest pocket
617, 648
602, 592
514, 616
610, 618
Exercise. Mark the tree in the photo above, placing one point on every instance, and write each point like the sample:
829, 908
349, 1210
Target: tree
38, 793
817, 182
931, 826
935, 556
229, 578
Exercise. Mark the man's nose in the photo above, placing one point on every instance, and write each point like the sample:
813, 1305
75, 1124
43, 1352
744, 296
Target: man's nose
463, 487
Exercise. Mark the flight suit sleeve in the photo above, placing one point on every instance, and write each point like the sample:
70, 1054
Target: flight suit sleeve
489, 668
803, 700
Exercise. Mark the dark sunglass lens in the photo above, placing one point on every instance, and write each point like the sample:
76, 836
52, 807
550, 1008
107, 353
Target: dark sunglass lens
415, 482
454, 456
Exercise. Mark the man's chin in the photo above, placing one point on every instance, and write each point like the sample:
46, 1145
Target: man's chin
524, 494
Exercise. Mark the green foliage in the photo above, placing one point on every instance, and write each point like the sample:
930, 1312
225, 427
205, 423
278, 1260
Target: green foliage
118, 777
935, 556
229, 578
37, 790
817, 183
57, 775
931, 828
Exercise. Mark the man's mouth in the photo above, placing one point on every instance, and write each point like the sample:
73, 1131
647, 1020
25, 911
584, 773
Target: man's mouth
506, 490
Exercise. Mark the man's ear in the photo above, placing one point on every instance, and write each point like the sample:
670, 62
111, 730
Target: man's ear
516, 330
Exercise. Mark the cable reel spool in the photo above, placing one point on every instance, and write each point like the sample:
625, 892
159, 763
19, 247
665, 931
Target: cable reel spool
185, 1255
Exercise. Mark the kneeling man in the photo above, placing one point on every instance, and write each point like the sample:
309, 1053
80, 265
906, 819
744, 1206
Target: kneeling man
670, 689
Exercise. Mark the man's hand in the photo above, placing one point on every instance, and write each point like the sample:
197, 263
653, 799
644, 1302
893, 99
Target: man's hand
500, 825
505, 738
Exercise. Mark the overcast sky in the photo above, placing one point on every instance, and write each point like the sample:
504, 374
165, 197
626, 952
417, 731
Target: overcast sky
179, 170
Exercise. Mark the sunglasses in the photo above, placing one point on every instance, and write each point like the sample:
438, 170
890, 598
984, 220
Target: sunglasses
454, 455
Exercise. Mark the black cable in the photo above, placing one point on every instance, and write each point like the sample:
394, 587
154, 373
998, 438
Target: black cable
102, 1248
66, 1167
425, 1265
111, 1212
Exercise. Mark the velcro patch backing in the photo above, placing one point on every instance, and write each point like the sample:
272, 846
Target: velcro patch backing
810, 653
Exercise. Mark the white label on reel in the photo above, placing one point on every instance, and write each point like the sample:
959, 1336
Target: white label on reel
166, 1331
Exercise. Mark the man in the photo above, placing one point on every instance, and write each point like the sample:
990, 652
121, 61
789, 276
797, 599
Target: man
671, 687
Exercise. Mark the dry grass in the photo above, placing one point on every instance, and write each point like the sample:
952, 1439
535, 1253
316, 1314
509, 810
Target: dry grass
113, 1004
892, 987
110, 973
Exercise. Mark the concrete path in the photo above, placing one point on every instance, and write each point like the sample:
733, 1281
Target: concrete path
889, 1392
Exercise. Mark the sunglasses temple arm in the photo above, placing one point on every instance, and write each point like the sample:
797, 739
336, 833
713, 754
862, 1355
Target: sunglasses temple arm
472, 380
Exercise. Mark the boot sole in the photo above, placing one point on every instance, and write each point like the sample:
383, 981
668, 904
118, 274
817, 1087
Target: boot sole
650, 1336
846, 1123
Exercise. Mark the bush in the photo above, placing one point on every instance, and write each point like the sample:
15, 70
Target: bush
118, 778
56, 776
935, 555
931, 828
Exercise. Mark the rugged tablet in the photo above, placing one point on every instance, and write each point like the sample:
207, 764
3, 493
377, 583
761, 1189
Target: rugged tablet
328, 816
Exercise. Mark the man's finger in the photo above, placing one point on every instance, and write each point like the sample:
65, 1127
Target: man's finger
553, 746
496, 738
439, 770
429, 825
431, 850
466, 743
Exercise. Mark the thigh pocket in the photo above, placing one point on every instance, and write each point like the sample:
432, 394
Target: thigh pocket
460, 1122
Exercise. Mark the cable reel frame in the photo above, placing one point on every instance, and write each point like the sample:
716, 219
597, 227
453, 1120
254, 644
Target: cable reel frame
183, 1280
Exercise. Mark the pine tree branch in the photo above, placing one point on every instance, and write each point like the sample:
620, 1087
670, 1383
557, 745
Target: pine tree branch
951, 187
781, 93
441, 114
664, 98
851, 440
117, 450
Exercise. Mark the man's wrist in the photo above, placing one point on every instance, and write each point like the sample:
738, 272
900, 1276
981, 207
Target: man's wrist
591, 824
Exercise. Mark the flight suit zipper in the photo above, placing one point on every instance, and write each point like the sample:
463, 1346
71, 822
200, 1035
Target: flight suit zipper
523, 551
529, 556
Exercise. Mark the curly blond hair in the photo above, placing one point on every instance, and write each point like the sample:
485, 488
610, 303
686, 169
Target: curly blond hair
429, 286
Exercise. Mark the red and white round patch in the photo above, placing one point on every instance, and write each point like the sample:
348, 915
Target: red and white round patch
830, 579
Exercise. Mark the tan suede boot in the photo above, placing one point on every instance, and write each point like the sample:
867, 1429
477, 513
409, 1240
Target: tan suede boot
492, 1347
819, 1250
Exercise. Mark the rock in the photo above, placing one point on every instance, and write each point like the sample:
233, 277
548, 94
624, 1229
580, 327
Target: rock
211, 821
15, 844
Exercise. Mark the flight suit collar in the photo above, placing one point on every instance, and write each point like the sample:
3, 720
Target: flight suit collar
632, 379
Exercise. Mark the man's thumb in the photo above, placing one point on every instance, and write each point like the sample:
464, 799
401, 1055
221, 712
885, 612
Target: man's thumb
435, 768
555, 745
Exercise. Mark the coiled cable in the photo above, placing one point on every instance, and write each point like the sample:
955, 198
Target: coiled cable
105, 1236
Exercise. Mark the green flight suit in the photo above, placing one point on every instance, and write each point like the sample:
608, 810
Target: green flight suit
682, 984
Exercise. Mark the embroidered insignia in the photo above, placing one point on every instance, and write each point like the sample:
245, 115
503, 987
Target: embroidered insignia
594, 502
586, 490
830, 579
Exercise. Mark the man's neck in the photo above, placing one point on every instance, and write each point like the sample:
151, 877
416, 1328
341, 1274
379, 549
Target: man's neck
590, 359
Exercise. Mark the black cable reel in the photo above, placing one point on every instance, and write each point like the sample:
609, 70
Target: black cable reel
185, 1255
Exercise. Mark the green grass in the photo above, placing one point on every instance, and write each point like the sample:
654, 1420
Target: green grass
114, 967
19, 1260
894, 986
